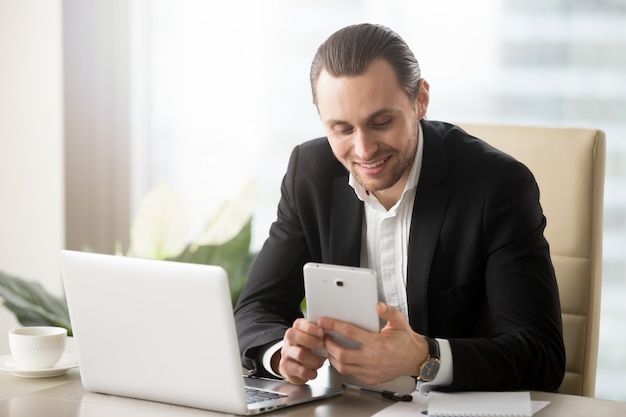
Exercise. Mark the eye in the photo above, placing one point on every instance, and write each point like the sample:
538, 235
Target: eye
342, 129
381, 122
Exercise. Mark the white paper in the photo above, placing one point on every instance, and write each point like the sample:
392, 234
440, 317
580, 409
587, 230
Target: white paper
420, 403
475, 404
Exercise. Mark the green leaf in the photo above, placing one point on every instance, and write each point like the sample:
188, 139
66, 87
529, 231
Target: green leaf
32, 304
234, 256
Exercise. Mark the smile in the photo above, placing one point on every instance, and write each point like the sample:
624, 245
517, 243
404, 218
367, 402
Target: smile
373, 164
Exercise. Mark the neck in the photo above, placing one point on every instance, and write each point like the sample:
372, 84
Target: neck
389, 197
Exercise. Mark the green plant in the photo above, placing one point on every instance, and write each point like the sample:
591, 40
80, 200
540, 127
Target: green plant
159, 232
234, 256
32, 304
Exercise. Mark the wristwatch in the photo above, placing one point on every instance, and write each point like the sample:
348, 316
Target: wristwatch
429, 369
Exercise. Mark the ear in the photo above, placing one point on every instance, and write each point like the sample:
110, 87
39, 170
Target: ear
422, 99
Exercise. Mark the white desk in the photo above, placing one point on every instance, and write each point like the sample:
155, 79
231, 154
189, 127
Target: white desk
65, 396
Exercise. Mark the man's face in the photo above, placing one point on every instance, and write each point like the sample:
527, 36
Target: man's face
371, 125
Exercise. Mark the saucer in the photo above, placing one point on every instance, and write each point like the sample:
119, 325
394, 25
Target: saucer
67, 362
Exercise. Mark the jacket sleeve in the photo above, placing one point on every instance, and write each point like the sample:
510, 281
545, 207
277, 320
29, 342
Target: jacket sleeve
270, 301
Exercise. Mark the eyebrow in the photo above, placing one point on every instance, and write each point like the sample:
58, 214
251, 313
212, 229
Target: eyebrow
384, 110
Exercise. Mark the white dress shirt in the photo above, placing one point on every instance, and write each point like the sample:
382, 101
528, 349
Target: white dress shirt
385, 250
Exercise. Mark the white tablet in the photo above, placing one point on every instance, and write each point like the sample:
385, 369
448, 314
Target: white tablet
344, 293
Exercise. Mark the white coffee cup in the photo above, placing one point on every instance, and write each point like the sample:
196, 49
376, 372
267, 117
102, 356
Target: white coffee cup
37, 347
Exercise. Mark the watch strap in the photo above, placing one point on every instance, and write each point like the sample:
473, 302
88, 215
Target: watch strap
433, 348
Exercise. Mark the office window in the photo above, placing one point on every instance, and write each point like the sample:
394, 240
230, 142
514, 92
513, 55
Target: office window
222, 96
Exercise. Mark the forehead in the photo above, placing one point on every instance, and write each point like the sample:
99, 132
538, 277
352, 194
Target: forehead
352, 98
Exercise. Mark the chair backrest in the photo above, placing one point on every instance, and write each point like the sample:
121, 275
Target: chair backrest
568, 164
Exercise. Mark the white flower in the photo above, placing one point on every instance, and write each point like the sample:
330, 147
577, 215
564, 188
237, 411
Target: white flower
161, 225
230, 218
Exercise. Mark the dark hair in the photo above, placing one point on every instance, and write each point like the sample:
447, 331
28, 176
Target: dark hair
349, 51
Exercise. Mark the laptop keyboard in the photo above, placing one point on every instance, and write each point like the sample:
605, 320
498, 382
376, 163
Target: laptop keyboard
256, 395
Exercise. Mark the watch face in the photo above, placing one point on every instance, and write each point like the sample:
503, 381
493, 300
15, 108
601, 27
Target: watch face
429, 370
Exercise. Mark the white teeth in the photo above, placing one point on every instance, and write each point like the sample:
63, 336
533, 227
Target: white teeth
377, 164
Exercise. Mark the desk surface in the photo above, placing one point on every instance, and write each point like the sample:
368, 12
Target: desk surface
65, 396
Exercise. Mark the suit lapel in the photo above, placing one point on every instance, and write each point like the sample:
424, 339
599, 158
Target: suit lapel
431, 201
345, 225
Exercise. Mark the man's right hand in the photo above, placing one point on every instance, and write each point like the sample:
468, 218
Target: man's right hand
297, 362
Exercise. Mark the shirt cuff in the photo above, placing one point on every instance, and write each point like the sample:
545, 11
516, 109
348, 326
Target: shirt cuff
267, 357
444, 376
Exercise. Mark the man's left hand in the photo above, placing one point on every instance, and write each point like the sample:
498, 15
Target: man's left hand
395, 351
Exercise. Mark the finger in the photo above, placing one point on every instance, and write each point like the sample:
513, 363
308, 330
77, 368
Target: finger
394, 318
345, 360
345, 329
298, 364
337, 350
305, 334
294, 372
307, 326
301, 354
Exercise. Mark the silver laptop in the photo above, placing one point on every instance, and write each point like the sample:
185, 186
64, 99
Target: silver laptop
164, 331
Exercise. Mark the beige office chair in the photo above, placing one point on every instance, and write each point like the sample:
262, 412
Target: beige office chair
568, 165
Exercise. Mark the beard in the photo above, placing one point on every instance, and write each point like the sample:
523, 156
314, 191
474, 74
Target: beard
400, 162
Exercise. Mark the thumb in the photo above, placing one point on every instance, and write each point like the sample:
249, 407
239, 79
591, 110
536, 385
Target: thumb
394, 318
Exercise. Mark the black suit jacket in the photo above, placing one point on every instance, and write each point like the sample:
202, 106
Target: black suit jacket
479, 268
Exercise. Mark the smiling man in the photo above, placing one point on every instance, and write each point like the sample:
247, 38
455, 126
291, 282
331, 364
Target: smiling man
452, 226
372, 128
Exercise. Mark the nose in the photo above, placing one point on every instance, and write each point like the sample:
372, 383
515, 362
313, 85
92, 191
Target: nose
365, 145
